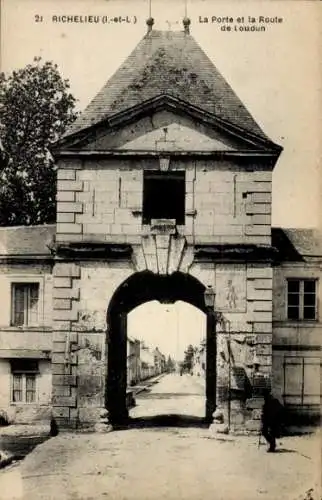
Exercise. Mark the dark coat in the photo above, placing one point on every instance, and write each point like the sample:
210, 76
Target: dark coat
272, 413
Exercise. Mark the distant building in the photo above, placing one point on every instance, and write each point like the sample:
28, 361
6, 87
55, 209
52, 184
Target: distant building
147, 362
133, 361
159, 361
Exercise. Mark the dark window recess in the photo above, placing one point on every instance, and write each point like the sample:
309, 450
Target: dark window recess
24, 366
164, 196
301, 299
24, 376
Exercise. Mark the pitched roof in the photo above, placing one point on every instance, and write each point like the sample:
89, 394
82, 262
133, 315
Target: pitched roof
306, 241
295, 242
167, 62
26, 240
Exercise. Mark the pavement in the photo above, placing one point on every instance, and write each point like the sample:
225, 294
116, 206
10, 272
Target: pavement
170, 463
172, 395
144, 384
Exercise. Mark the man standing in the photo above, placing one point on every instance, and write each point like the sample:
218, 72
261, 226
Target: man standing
271, 419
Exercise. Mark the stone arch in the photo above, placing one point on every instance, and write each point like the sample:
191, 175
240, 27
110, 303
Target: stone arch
139, 288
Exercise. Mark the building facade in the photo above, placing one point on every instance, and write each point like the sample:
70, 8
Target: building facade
297, 324
26, 287
133, 361
164, 188
147, 360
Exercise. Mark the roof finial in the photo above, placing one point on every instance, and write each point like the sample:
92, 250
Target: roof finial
150, 23
186, 25
150, 20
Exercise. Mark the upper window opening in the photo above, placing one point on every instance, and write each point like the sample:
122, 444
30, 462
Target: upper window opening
25, 302
164, 196
301, 299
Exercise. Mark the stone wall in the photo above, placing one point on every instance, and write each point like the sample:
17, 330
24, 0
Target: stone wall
231, 206
103, 201
244, 298
244, 335
82, 293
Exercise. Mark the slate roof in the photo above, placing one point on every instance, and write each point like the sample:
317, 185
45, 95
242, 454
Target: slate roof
167, 62
307, 242
26, 241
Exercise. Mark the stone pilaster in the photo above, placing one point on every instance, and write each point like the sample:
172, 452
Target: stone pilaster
68, 206
259, 298
64, 354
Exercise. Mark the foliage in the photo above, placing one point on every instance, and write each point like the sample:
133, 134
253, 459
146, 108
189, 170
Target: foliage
36, 107
188, 357
170, 364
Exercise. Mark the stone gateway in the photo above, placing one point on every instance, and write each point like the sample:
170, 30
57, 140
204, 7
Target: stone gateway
164, 184
164, 191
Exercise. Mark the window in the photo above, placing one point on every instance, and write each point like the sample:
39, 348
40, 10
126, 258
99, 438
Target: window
24, 379
25, 299
301, 299
164, 196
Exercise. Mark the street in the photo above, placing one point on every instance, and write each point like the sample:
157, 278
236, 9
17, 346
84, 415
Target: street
164, 461
172, 395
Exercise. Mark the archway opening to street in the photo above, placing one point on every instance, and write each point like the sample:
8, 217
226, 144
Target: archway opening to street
141, 288
166, 362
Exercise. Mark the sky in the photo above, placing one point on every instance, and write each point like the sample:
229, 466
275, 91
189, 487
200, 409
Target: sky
170, 327
276, 73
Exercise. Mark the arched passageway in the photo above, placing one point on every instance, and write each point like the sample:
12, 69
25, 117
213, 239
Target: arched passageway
136, 290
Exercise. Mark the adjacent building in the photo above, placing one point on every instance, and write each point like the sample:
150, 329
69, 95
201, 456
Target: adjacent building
26, 294
297, 322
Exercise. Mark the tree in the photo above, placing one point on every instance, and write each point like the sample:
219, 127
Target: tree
188, 357
170, 364
36, 108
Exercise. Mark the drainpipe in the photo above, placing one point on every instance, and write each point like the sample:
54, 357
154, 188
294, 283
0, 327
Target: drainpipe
229, 377
193, 201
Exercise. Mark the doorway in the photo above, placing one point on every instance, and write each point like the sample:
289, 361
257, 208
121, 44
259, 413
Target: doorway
166, 363
138, 289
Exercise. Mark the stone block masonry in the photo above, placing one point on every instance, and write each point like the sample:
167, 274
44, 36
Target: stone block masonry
64, 359
102, 201
106, 202
231, 206
81, 294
